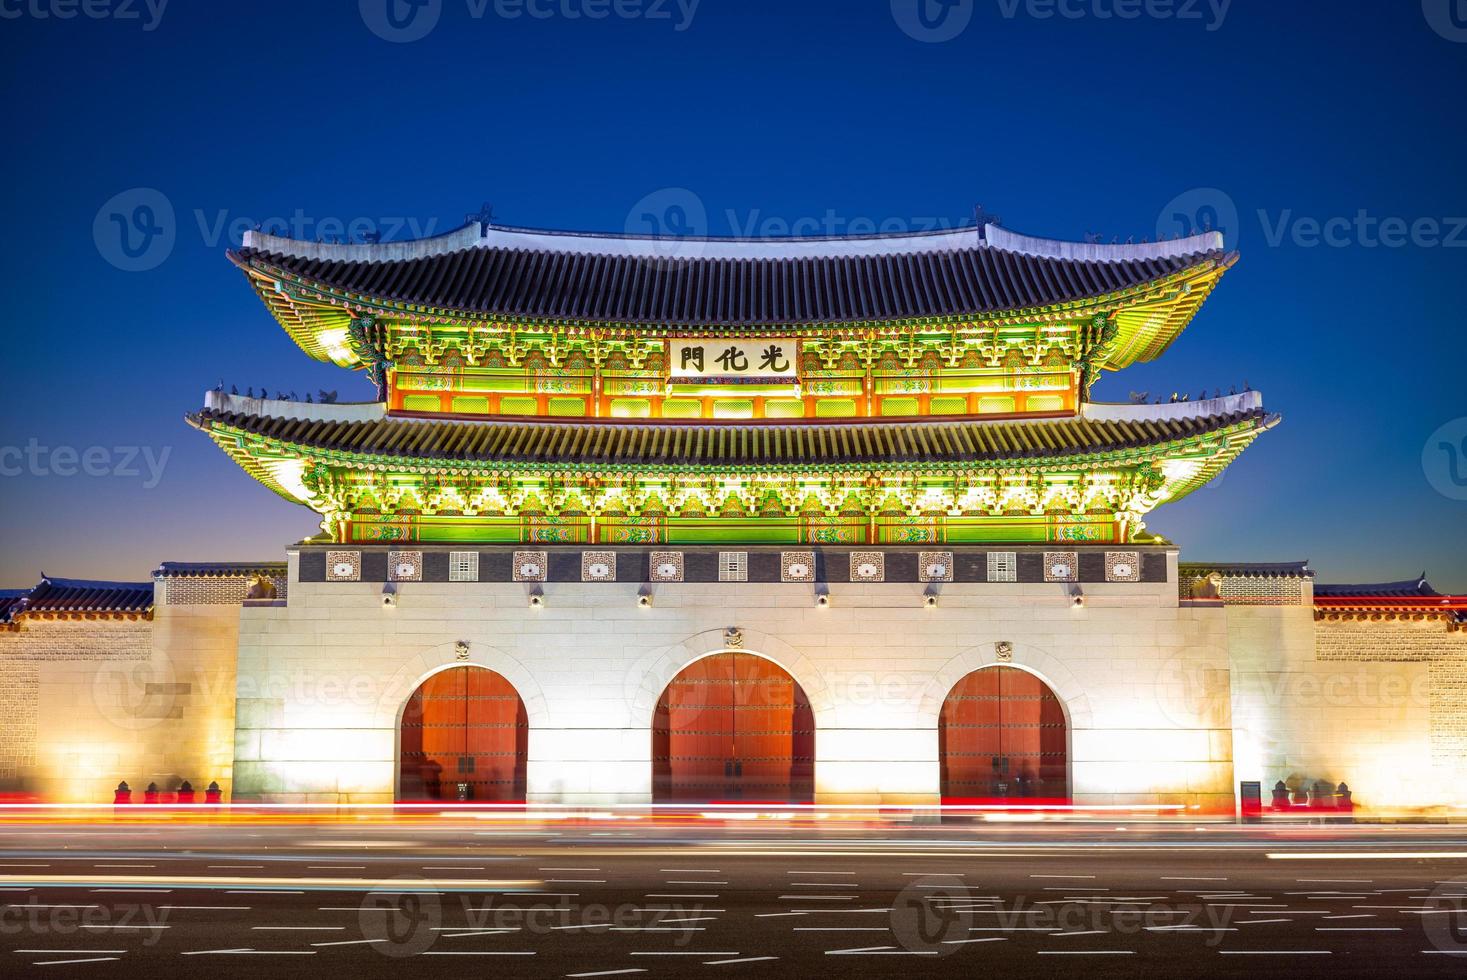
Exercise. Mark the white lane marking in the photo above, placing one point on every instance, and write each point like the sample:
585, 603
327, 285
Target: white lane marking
606, 973
127, 928
934, 874
879, 951
124, 865
690, 871
985, 939
212, 908
1082, 932
817, 898
97, 959
1189, 878
676, 881
261, 891
1365, 855
475, 952
557, 869
74, 952
38, 905
230, 867
24, 866
1357, 929
842, 929
676, 895
454, 867
352, 942
336, 867
746, 959
248, 952
1276, 952
1087, 952
699, 952
1361, 915
1063, 876
776, 915
819, 873
824, 884
602, 881
130, 891
1259, 922
298, 928
659, 929
1336, 881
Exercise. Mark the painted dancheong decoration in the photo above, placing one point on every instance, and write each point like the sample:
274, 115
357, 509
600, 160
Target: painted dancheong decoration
545, 388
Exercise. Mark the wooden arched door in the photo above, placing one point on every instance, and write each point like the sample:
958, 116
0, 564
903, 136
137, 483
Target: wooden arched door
1002, 735
733, 727
463, 737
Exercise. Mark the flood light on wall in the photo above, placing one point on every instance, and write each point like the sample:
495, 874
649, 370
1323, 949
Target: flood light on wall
644, 598
822, 598
389, 596
537, 599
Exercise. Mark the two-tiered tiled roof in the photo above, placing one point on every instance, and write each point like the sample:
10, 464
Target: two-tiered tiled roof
66, 598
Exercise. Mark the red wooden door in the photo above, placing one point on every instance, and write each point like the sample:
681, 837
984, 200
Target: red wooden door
464, 727
1002, 735
733, 727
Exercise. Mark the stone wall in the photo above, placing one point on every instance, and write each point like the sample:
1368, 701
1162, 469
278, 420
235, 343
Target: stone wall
100, 701
322, 680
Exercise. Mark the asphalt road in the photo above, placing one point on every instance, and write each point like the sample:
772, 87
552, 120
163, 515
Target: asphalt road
465, 897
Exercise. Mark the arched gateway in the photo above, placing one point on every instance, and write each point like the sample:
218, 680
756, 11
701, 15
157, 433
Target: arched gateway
1002, 735
733, 727
463, 736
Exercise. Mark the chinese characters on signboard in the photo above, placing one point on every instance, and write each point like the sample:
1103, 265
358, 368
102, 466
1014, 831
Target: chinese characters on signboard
734, 359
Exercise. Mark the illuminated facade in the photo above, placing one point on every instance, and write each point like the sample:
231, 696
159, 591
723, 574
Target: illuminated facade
829, 520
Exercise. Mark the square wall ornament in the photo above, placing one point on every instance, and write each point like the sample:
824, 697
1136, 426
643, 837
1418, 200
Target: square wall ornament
343, 566
463, 566
405, 566
868, 566
665, 566
1123, 566
1003, 566
733, 566
530, 566
598, 566
797, 566
1061, 566
935, 566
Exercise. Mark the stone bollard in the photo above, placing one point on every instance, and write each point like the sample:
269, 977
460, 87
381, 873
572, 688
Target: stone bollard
1321, 796
1280, 796
213, 793
186, 792
1344, 799
150, 795
123, 794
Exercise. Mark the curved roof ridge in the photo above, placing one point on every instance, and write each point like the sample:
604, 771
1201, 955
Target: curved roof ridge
513, 238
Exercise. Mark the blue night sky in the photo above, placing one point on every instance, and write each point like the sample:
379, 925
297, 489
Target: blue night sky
768, 112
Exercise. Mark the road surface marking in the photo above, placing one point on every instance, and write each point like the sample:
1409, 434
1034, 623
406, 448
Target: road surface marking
607, 973
99, 959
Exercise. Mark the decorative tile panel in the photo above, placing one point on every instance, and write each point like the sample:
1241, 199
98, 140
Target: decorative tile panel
1061, 566
733, 566
797, 566
343, 566
665, 566
935, 566
868, 566
598, 566
405, 566
1123, 566
1003, 566
530, 566
463, 566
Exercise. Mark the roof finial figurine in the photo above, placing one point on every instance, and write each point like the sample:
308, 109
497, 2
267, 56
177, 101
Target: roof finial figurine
220, 386
1233, 390
308, 398
1246, 385
293, 397
1092, 238
981, 217
1139, 397
1175, 398
250, 393
234, 389
327, 397
485, 218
